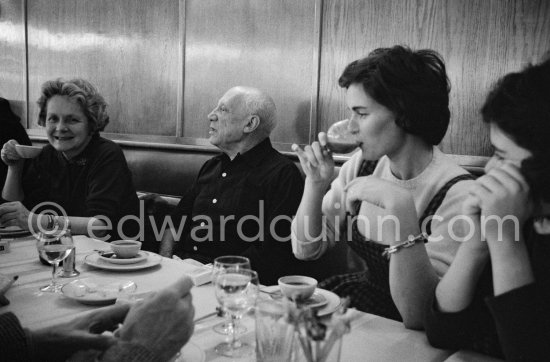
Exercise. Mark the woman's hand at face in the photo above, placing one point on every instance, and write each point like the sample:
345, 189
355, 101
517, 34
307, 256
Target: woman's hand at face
502, 193
14, 214
393, 202
9, 155
316, 161
471, 209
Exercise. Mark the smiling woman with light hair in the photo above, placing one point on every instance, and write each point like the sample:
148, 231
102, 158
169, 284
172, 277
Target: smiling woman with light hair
84, 175
80, 91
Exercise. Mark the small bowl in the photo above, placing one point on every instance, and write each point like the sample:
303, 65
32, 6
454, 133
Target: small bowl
126, 248
28, 151
297, 287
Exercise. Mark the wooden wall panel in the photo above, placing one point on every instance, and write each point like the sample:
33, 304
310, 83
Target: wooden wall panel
265, 44
128, 48
132, 50
12, 56
480, 40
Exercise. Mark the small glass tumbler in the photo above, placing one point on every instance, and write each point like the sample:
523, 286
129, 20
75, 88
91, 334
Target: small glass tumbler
69, 266
274, 334
327, 349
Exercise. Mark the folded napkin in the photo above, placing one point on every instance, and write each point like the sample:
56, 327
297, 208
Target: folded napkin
198, 272
5, 284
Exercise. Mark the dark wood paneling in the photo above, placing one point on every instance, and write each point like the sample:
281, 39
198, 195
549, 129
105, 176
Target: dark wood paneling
128, 48
12, 56
265, 44
480, 41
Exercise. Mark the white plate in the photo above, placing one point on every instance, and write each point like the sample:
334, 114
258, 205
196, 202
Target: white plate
115, 260
332, 300
190, 353
96, 291
151, 260
13, 232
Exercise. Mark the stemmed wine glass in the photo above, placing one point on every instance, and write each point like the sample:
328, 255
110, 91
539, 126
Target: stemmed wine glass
340, 139
54, 246
221, 263
237, 291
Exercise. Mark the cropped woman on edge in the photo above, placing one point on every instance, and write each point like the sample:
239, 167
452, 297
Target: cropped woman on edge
495, 298
399, 103
79, 171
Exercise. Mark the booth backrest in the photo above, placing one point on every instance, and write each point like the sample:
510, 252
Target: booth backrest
170, 172
164, 172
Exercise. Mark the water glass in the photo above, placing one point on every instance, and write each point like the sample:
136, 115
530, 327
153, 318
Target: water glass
274, 335
229, 261
221, 263
236, 291
53, 247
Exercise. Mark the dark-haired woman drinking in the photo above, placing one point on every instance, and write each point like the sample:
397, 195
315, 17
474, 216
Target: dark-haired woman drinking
495, 298
398, 185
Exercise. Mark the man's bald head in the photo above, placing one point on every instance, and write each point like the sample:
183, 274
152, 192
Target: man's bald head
259, 103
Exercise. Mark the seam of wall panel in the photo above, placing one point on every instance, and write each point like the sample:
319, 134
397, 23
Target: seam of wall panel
181, 68
26, 30
315, 78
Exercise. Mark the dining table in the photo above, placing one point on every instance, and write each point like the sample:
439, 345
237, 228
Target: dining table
372, 338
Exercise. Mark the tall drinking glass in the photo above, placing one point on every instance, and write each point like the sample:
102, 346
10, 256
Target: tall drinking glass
54, 247
222, 263
237, 291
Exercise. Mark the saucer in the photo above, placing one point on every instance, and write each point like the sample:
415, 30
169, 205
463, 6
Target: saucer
97, 291
113, 258
324, 300
95, 261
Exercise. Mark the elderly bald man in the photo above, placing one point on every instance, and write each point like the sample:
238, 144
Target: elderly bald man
243, 199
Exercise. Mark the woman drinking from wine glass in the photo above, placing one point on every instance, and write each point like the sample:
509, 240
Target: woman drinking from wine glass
495, 298
399, 104
79, 173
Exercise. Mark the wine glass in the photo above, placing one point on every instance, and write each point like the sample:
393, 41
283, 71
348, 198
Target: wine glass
54, 246
340, 139
221, 263
237, 291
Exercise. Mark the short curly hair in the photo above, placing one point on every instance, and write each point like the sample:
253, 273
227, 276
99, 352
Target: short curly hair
80, 91
412, 84
519, 105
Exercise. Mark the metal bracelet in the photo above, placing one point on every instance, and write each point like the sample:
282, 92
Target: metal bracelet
406, 244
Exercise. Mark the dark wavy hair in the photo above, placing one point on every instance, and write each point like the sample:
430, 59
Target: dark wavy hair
519, 105
80, 91
412, 84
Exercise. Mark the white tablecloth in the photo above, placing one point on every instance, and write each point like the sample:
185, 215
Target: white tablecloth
372, 338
